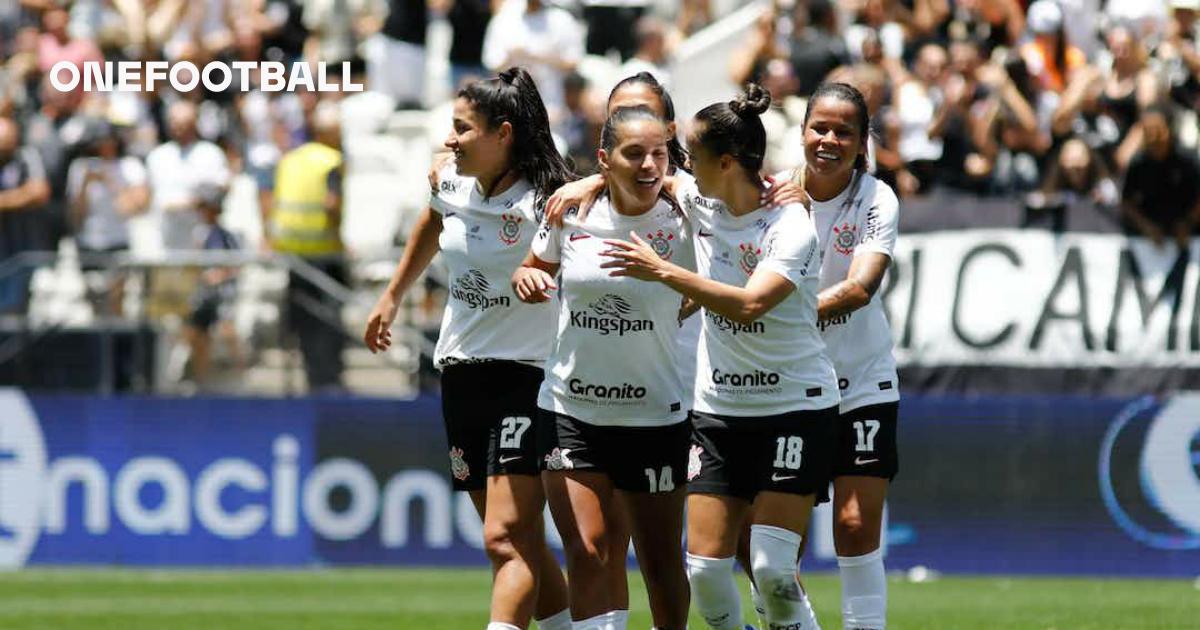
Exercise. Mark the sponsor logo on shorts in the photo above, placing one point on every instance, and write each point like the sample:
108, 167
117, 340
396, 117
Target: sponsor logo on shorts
558, 460
693, 470
513, 458
510, 228
610, 314
472, 289
859, 461
458, 465
577, 236
779, 477
844, 238
726, 325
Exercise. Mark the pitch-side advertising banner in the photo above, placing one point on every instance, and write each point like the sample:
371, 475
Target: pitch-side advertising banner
1112, 314
987, 485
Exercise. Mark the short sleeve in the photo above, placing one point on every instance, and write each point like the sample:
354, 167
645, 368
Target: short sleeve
877, 234
448, 185
790, 249
547, 243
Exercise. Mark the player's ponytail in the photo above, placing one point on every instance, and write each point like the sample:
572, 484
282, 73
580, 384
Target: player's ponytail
512, 97
735, 129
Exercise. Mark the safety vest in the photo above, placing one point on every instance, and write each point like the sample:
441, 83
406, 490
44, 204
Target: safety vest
299, 222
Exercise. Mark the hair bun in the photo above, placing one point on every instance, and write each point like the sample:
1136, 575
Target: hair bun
515, 75
754, 100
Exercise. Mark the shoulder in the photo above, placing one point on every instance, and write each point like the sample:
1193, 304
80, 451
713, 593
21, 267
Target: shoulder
452, 187
878, 195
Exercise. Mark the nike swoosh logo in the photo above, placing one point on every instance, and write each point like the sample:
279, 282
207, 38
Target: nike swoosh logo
703, 234
505, 460
783, 478
858, 461
576, 237
450, 214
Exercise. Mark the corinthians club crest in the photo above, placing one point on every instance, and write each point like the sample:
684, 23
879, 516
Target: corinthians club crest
510, 228
660, 242
844, 238
749, 257
458, 465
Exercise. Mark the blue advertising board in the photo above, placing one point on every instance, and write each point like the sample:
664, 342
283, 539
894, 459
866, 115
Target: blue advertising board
987, 485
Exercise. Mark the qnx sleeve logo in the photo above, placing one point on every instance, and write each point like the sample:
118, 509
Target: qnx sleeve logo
1149, 471
22, 465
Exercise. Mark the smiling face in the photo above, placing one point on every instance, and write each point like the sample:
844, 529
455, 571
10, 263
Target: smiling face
635, 166
833, 137
477, 149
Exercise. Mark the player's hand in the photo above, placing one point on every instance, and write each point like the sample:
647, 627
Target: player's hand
440, 160
687, 308
579, 194
781, 193
635, 259
532, 285
378, 335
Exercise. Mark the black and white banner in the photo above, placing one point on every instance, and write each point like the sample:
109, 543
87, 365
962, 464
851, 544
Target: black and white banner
1094, 313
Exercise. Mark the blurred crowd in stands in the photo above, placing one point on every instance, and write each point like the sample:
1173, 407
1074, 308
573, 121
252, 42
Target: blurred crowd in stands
1044, 102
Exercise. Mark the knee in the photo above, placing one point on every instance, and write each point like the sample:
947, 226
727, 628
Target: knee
775, 579
586, 549
499, 541
853, 535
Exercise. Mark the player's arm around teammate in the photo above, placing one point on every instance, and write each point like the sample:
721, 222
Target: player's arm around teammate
766, 394
482, 218
856, 217
614, 431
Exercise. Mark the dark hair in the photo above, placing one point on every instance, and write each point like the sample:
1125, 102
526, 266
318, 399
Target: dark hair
608, 135
848, 93
512, 97
674, 150
734, 128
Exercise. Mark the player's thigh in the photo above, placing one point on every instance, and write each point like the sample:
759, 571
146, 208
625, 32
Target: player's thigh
714, 523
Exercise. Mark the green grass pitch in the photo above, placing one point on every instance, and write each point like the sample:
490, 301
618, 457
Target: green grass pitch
444, 599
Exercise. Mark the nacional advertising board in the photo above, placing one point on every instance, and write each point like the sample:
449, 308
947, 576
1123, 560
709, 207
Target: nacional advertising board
1066, 485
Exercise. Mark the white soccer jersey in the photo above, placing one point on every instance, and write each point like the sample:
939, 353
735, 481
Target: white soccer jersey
483, 241
615, 361
776, 364
860, 343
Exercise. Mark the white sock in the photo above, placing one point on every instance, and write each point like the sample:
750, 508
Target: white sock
599, 622
496, 625
560, 621
618, 619
760, 606
773, 552
864, 591
714, 593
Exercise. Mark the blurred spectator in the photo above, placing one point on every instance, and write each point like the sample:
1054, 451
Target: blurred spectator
992, 23
1146, 19
916, 100
1077, 174
304, 219
57, 45
1161, 196
1180, 55
816, 46
202, 32
610, 25
177, 169
1049, 56
1013, 123
396, 54
749, 61
469, 20
581, 128
883, 20
336, 27
544, 39
651, 55
105, 188
55, 131
693, 15
959, 123
1129, 85
23, 191
216, 290
281, 25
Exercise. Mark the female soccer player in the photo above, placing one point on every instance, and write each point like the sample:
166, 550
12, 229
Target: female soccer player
766, 394
615, 429
491, 348
856, 217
